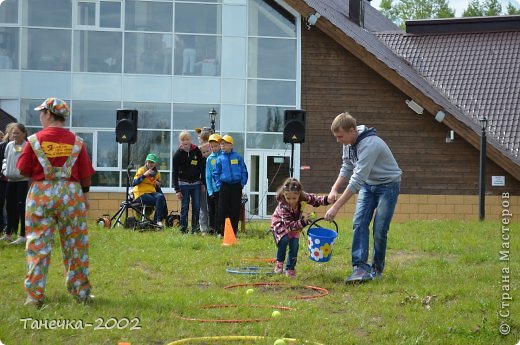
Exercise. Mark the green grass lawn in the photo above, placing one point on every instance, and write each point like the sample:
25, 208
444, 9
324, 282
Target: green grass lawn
442, 285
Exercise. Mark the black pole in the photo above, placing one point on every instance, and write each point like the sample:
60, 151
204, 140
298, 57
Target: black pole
128, 182
291, 170
482, 187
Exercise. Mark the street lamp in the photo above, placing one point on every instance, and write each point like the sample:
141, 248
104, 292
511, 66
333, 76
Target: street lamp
482, 187
213, 118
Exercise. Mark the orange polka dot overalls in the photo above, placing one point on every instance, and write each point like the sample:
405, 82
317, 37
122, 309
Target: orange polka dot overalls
56, 201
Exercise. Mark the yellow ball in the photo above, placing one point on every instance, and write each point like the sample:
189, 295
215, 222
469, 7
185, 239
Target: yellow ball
249, 291
276, 313
279, 342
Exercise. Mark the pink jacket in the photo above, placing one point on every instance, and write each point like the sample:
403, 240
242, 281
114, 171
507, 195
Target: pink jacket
285, 220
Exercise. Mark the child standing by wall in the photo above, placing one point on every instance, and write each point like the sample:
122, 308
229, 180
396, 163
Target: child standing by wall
288, 220
188, 178
204, 217
230, 176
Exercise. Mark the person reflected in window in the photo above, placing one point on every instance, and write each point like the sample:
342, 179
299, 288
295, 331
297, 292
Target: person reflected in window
189, 54
5, 60
147, 186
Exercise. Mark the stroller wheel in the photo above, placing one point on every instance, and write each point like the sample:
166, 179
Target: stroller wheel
103, 222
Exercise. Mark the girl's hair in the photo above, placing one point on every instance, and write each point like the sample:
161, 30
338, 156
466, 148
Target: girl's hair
21, 127
343, 121
204, 136
184, 135
290, 185
8, 130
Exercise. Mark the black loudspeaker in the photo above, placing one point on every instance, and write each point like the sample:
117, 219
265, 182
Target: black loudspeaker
294, 126
126, 126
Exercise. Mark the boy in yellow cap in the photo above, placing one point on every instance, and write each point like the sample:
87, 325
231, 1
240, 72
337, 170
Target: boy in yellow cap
230, 175
213, 191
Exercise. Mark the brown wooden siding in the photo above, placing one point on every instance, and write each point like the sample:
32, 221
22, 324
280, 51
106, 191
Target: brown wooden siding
333, 81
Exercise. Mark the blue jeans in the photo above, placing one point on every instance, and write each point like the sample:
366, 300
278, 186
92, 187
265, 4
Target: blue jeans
155, 199
190, 191
371, 197
293, 244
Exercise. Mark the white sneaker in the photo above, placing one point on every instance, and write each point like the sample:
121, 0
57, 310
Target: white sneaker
160, 224
19, 240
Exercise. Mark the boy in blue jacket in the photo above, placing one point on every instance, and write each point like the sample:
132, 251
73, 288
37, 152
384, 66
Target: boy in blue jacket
230, 176
213, 191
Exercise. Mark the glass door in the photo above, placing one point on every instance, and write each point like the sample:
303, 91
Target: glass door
267, 171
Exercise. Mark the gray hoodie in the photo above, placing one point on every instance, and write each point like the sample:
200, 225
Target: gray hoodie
9, 169
369, 160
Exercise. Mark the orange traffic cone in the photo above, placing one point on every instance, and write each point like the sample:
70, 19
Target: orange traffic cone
229, 234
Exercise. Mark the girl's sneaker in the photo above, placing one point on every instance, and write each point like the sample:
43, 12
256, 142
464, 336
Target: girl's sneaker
19, 240
291, 273
279, 267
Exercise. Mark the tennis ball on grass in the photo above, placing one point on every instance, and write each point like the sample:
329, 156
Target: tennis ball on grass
275, 314
279, 342
249, 291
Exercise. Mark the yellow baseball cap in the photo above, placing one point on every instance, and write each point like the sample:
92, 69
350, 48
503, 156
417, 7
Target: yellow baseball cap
228, 139
215, 137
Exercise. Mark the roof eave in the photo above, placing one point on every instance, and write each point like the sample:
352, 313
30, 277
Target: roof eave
455, 119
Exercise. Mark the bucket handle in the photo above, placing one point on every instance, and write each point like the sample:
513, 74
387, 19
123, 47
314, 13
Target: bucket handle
319, 219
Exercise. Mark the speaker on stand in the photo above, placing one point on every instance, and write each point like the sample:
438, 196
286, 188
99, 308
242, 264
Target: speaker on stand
126, 132
294, 131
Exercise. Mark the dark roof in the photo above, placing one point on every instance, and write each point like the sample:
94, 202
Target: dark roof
366, 45
374, 20
460, 25
479, 72
5, 119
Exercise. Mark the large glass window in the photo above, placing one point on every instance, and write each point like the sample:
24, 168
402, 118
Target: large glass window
272, 58
9, 41
271, 92
147, 53
94, 114
151, 115
148, 16
190, 116
198, 18
197, 55
50, 13
157, 142
86, 13
47, 49
265, 118
265, 141
104, 14
106, 150
97, 51
110, 14
9, 11
268, 18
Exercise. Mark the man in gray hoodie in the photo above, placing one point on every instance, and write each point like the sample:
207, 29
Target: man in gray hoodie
369, 169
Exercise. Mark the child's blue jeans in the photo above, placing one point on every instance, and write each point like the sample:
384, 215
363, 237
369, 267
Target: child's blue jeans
293, 244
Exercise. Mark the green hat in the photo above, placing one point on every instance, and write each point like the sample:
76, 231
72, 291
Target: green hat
152, 157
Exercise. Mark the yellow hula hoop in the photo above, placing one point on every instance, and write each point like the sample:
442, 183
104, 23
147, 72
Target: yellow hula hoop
233, 338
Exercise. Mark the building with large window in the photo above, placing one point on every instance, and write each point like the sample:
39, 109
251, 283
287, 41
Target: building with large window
173, 61
250, 60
